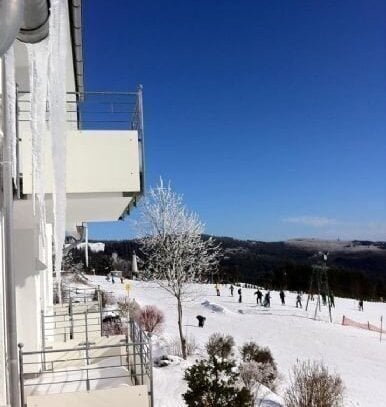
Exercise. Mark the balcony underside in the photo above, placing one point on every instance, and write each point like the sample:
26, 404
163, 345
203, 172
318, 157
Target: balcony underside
92, 207
102, 175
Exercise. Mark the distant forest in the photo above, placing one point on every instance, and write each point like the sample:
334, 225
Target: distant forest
273, 265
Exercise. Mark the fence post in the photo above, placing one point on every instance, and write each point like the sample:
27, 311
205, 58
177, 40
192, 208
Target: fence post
43, 340
21, 374
70, 308
368, 325
133, 344
343, 320
151, 372
100, 308
141, 353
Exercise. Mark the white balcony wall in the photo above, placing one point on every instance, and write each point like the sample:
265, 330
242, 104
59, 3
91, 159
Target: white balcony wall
98, 161
102, 175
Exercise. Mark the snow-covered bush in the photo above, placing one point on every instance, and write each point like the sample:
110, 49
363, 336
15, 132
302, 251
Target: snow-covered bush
251, 352
174, 346
107, 298
151, 318
215, 383
128, 308
220, 346
311, 384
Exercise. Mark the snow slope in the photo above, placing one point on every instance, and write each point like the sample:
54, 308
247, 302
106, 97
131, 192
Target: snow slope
291, 333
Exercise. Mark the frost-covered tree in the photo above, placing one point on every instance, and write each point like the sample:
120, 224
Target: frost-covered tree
175, 254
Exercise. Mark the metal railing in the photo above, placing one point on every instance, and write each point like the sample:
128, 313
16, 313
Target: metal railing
76, 294
97, 111
94, 110
65, 326
51, 370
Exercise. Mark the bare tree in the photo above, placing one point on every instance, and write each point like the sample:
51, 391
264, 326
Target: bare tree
312, 384
175, 254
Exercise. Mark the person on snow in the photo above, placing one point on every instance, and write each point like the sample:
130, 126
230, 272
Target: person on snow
231, 288
282, 297
112, 279
332, 299
240, 296
259, 298
218, 292
360, 305
299, 301
201, 321
267, 299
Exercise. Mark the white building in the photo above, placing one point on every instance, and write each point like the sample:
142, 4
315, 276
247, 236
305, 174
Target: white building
104, 178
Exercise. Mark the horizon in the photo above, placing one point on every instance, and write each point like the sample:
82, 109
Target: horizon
92, 240
268, 117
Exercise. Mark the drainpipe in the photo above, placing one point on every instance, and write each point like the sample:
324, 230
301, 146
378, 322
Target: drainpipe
35, 25
10, 285
30, 19
11, 17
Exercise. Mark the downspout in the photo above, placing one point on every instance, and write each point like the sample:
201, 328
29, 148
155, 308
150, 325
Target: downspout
10, 285
11, 17
35, 25
30, 19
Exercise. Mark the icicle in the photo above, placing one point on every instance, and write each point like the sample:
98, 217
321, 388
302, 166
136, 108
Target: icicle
38, 62
11, 95
57, 111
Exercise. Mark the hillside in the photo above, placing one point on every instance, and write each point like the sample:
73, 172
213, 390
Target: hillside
357, 268
291, 333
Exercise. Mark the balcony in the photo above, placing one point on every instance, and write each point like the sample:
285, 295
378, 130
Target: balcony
96, 364
105, 155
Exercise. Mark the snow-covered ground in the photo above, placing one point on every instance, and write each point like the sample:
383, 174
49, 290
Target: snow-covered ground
291, 334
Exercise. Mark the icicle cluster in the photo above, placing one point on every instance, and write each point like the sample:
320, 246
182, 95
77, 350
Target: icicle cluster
38, 62
48, 86
11, 105
57, 119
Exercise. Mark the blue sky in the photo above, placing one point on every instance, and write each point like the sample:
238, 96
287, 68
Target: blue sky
269, 116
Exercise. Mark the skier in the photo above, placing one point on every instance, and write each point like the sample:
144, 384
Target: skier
282, 297
360, 305
231, 288
121, 280
267, 299
259, 297
218, 292
240, 296
332, 299
299, 301
112, 279
201, 321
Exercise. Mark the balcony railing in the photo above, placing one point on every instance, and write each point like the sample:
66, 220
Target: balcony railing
96, 111
88, 366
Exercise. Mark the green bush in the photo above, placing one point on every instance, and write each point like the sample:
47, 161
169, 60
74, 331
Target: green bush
220, 346
213, 383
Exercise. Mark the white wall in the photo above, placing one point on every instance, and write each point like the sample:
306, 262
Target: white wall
3, 380
28, 304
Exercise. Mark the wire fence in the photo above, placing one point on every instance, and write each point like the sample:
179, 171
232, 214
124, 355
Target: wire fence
363, 325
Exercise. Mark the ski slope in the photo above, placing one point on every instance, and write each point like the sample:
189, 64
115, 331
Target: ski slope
291, 334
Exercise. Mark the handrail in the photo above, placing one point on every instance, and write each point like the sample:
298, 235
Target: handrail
135, 356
